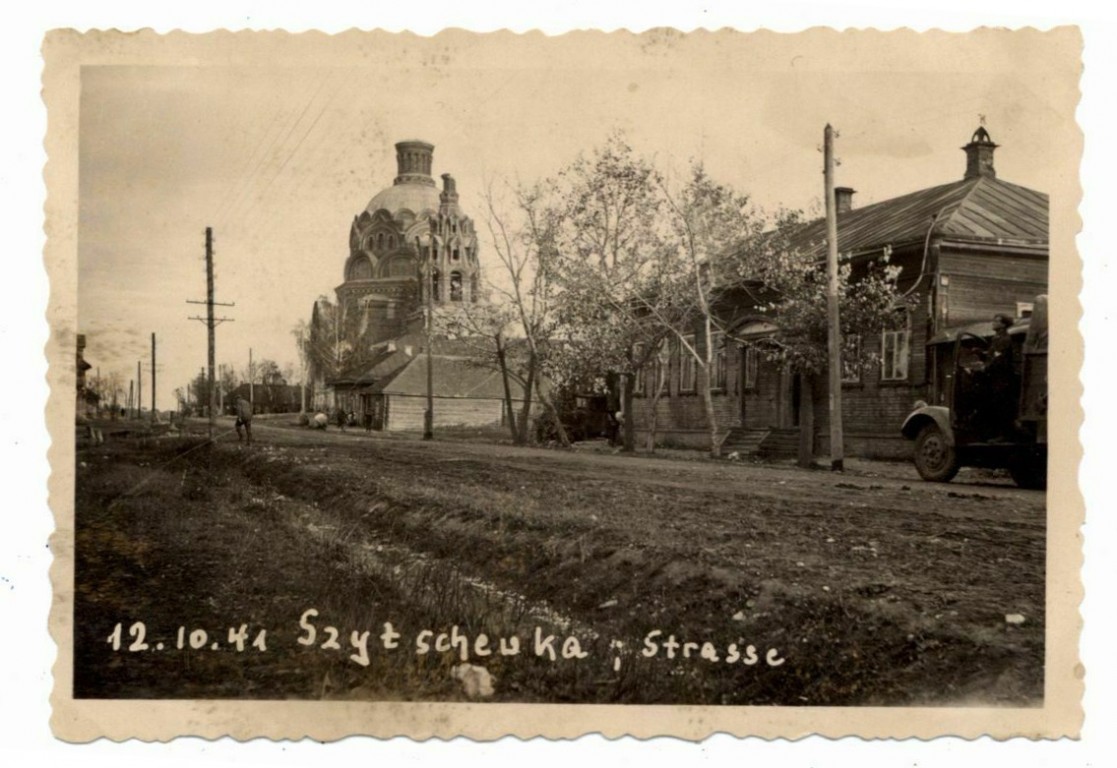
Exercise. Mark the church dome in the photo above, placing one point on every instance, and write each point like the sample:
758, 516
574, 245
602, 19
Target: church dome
413, 187
412, 196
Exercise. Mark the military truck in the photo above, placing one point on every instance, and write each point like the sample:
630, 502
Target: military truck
981, 415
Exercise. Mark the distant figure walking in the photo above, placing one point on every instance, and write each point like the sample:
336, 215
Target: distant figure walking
244, 421
340, 418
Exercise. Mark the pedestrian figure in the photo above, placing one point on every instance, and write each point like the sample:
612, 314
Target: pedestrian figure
1000, 379
339, 417
614, 426
244, 421
368, 421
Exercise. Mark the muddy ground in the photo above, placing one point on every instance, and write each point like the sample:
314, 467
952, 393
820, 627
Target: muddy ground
776, 585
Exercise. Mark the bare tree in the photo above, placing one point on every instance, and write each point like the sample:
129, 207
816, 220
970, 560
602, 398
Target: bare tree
523, 246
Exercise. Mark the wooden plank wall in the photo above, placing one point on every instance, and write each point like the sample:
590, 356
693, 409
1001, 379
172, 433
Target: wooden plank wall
405, 412
981, 285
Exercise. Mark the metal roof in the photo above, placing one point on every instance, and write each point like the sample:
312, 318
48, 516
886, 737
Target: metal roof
978, 209
453, 377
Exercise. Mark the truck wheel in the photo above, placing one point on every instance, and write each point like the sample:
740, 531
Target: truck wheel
935, 458
1029, 471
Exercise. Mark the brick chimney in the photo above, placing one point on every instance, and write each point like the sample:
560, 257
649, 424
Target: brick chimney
413, 158
843, 199
979, 155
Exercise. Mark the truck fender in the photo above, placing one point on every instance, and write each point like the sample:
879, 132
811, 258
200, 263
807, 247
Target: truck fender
924, 415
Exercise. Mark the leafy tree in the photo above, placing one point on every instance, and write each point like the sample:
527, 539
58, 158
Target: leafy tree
795, 297
605, 259
227, 381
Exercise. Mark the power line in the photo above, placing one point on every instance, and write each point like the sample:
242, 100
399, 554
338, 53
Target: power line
253, 163
287, 135
291, 155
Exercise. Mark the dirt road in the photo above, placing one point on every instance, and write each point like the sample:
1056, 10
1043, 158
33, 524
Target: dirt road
888, 481
869, 587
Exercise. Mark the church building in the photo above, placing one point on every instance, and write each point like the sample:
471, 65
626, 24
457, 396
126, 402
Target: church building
412, 252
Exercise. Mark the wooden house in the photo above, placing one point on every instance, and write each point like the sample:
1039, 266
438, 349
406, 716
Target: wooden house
968, 249
391, 387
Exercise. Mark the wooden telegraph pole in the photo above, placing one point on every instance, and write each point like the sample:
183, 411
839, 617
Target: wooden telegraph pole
154, 415
211, 324
833, 320
139, 392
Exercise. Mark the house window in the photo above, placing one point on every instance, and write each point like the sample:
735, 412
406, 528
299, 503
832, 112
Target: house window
751, 365
686, 364
1024, 309
455, 286
851, 359
639, 380
717, 361
895, 350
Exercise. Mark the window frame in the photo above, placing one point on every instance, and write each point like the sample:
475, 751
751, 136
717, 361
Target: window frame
718, 363
750, 361
663, 369
898, 369
639, 376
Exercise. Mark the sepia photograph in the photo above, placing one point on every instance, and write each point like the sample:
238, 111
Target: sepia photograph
687, 375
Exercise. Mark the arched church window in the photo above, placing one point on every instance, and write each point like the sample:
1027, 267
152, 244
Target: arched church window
436, 279
473, 288
379, 241
455, 286
391, 242
455, 255
360, 269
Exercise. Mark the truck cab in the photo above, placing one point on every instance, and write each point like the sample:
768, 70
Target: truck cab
982, 410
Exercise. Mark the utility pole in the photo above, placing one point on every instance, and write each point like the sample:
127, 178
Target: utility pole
834, 336
131, 396
251, 380
211, 324
139, 392
154, 413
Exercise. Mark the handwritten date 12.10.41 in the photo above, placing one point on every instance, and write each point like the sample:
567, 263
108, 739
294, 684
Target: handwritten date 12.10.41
137, 639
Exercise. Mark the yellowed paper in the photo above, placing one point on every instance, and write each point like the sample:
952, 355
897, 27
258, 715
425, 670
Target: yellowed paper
278, 142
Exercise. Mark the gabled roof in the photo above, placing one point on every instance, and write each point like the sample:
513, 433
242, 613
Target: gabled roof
458, 377
978, 209
388, 359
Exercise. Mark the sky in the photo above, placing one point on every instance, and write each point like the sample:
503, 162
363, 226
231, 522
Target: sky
279, 149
